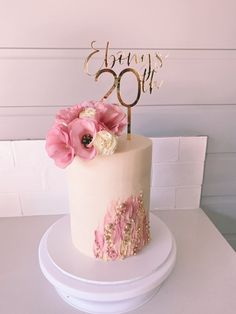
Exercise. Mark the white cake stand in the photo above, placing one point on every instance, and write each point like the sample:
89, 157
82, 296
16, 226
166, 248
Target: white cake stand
99, 287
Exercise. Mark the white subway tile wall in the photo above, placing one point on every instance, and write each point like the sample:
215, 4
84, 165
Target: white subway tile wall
30, 183
165, 149
192, 149
6, 156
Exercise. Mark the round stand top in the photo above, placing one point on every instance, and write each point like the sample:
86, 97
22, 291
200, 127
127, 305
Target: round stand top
68, 260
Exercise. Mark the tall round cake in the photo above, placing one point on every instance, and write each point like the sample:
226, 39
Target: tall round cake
108, 179
109, 200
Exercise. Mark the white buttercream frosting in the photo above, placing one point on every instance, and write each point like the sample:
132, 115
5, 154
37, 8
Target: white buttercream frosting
95, 184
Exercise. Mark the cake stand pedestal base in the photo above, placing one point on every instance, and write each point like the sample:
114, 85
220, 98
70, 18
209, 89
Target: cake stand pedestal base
100, 287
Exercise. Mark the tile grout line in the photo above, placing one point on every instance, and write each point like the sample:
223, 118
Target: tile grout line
20, 202
178, 150
13, 153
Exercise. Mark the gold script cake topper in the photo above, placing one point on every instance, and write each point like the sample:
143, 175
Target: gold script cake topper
143, 67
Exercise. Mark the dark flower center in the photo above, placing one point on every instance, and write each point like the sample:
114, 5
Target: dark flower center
86, 140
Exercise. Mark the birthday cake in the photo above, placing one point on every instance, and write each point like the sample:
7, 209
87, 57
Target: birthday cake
108, 178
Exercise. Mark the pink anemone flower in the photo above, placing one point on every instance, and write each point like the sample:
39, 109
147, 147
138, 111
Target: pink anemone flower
82, 132
58, 146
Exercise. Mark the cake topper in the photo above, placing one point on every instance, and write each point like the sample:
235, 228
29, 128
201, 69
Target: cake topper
143, 67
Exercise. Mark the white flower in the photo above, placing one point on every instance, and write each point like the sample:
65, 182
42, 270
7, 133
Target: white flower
105, 142
88, 113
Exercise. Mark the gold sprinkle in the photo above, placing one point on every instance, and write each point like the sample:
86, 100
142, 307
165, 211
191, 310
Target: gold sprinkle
110, 226
122, 206
128, 226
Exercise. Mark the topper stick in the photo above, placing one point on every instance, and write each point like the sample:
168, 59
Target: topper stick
129, 124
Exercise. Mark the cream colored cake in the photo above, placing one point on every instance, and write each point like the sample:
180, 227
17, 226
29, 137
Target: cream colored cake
109, 200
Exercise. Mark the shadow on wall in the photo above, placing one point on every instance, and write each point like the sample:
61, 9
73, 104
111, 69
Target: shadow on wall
224, 222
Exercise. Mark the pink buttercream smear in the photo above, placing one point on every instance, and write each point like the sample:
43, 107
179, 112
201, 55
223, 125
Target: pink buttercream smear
124, 231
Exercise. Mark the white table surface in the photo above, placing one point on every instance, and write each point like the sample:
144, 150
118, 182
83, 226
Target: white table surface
203, 281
